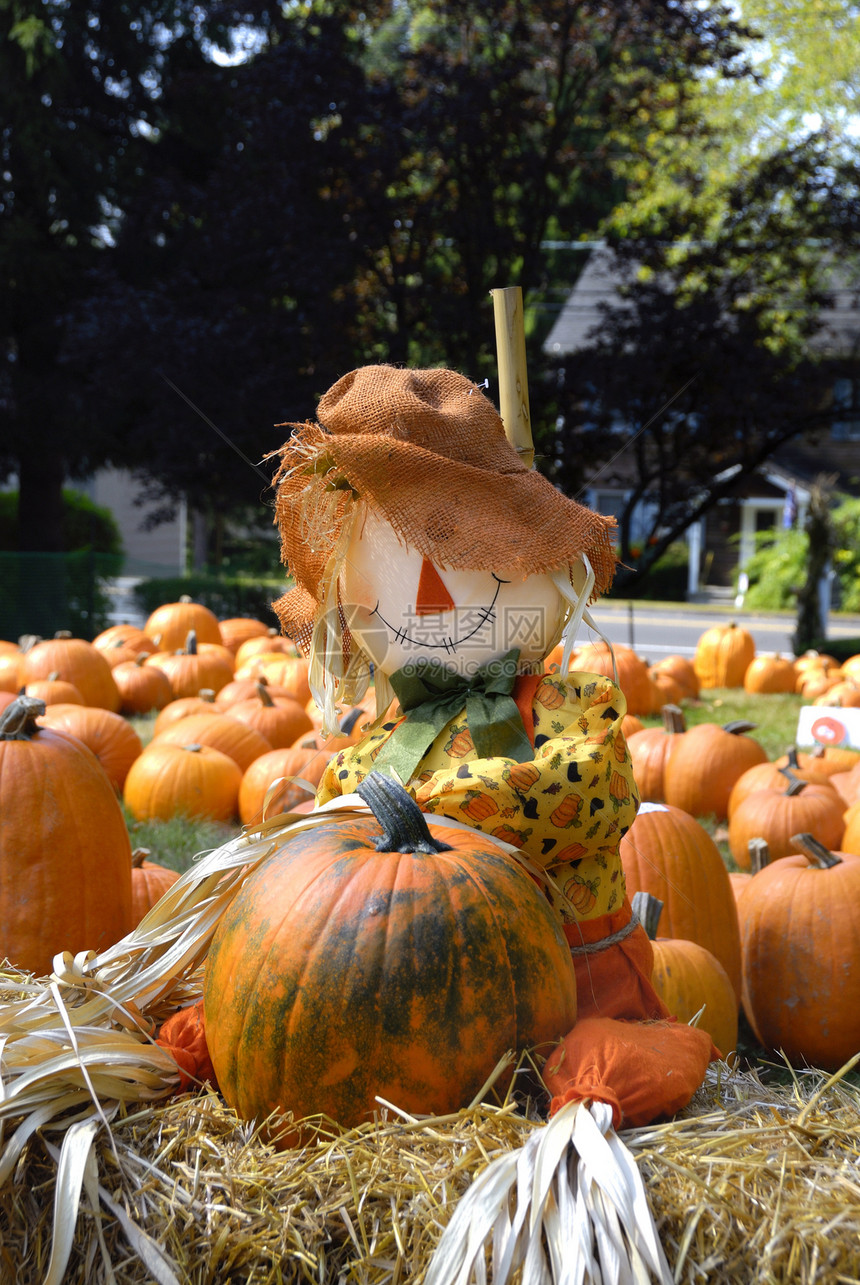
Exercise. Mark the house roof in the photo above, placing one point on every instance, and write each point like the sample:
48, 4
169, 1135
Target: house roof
581, 314
598, 286
798, 463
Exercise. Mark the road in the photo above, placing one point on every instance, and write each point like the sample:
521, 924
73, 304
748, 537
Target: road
656, 630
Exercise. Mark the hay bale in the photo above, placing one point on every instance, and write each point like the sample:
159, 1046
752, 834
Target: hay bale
752, 1183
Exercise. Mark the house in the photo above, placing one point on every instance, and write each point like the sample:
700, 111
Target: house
721, 543
149, 551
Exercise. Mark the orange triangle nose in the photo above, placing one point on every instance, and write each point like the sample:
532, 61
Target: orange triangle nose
432, 597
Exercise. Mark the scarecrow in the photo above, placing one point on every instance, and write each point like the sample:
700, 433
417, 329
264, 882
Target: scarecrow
431, 560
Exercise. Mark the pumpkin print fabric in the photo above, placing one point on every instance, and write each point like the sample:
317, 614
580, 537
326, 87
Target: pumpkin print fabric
567, 808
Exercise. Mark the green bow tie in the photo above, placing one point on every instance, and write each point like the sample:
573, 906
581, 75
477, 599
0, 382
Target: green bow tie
431, 695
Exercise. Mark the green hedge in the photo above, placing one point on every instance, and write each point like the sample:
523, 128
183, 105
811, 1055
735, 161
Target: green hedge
839, 648
665, 582
85, 525
226, 596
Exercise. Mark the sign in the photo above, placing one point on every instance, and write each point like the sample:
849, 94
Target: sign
828, 725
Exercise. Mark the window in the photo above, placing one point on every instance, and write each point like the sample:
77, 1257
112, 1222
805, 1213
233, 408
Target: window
846, 410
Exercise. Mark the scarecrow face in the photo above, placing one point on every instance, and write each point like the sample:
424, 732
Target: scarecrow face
401, 607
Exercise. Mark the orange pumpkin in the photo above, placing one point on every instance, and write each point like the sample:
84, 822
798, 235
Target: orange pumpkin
269, 785
182, 780
202, 703
630, 724
288, 672
238, 629
767, 776
109, 736
10, 670
690, 980
54, 691
851, 834
242, 689
682, 670
149, 882
171, 623
127, 638
778, 813
353, 729
478, 806
704, 765
668, 853
190, 670
815, 683
723, 655
844, 694
567, 811
826, 759
373, 958
272, 641
649, 750
65, 877
241, 743
801, 955
665, 689
767, 674
76, 661
280, 719
141, 687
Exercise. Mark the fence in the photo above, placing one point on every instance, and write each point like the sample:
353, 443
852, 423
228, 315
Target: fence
41, 593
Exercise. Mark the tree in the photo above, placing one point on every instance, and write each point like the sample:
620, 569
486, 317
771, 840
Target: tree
351, 193
730, 232
79, 101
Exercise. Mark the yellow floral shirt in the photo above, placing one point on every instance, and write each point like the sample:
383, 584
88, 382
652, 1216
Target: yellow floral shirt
567, 808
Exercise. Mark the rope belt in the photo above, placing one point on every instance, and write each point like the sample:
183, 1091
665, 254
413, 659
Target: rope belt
591, 948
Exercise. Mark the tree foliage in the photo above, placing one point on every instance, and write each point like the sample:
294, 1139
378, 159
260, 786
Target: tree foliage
80, 93
732, 233
350, 192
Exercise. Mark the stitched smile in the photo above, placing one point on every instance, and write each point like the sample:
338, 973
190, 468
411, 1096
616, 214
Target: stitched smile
449, 644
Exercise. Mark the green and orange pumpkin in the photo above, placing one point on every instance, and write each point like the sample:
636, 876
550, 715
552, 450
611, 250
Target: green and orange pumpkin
374, 958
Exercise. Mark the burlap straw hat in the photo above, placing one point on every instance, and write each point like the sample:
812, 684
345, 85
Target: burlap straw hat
427, 450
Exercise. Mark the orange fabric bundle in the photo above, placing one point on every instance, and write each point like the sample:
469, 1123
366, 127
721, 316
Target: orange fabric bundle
643, 1070
183, 1036
626, 1049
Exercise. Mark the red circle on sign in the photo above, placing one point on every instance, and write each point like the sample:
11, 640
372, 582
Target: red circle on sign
829, 731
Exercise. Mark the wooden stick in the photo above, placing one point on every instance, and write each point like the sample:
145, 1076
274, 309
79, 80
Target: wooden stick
513, 378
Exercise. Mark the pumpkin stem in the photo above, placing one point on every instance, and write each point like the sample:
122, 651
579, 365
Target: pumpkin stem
759, 851
138, 857
673, 719
403, 826
191, 643
18, 720
647, 908
795, 785
265, 695
739, 726
348, 722
817, 853
793, 760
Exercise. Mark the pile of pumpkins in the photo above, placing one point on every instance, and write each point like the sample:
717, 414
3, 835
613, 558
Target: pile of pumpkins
235, 736
781, 933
